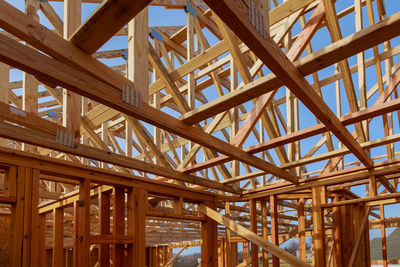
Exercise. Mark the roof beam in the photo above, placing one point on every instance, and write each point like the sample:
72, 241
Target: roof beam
379, 108
53, 72
104, 22
235, 15
336, 35
346, 47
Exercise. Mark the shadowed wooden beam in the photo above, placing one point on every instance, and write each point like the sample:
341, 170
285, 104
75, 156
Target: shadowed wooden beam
59, 72
295, 51
235, 15
348, 46
252, 237
106, 21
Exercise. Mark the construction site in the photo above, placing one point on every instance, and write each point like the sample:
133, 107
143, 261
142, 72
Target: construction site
251, 132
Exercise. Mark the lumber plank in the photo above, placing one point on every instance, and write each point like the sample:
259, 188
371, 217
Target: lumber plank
234, 15
250, 236
330, 54
109, 17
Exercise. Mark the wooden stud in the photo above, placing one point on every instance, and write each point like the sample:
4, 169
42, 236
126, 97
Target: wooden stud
83, 246
209, 244
119, 224
58, 237
104, 215
318, 198
273, 208
253, 227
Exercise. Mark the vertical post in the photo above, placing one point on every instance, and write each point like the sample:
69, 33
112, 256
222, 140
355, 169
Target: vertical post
17, 215
29, 82
4, 81
119, 224
83, 246
245, 250
318, 195
156, 98
361, 64
337, 238
137, 204
191, 82
274, 227
26, 246
42, 240
264, 216
104, 138
301, 229
75, 252
138, 63
234, 113
35, 217
221, 252
58, 237
178, 205
104, 249
190, 54
228, 243
209, 244
253, 227
71, 101
30, 245
383, 233
234, 246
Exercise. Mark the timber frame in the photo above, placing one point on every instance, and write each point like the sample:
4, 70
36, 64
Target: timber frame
227, 129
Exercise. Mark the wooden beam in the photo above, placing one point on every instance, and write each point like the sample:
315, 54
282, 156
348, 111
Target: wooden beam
138, 199
118, 224
360, 233
273, 209
109, 17
209, 238
176, 256
29, 82
318, 198
58, 237
113, 99
52, 16
76, 171
372, 199
72, 101
379, 108
336, 35
104, 215
49, 141
383, 235
17, 216
138, 44
235, 16
253, 227
83, 227
302, 229
346, 47
250, 236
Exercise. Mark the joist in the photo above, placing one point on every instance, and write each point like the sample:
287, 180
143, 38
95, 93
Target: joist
104, 22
